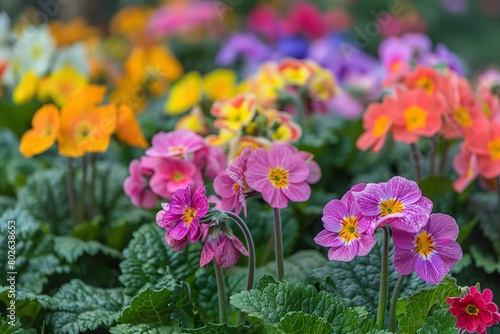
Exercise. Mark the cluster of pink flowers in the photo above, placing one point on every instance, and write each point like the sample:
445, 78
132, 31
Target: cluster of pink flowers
280, 174
475, 311
186, 219
424, 242
176, 159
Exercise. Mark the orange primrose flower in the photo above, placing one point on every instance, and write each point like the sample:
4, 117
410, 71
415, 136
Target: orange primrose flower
45, 130
377, 121
415, 113
426, 78
485, 144
128, 129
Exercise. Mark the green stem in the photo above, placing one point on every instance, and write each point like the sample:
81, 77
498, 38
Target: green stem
278, 243
221, 288
444, 157
251, 254
300, 109
92, 184
416, 159
432, 163
81, 199
71, 192
394, 301
382, 300
250, 246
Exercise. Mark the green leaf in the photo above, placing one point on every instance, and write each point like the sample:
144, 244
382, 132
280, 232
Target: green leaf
489, 262
182, 307
6, 328
419, 305
212, 328
80, 308
144, 329
18, 169
45, 198
149, 306
71, 248
300, 322
358, 281
485, 206
439, 322
276, 300
34, 253
150, 262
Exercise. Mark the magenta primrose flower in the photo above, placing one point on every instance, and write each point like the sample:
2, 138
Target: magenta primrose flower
231, 184
136, 187
222, 246
181, 217
431, 252
172, 174
398, 202
347, 231
279, 175
184, 144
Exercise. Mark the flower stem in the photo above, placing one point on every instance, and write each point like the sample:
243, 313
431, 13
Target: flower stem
300, 109
382, 300
394, 301
416, 159
251, 254
432, 162
444, 157
70, 190
278, 244
92, 184
221, 288
250, 246
81, 199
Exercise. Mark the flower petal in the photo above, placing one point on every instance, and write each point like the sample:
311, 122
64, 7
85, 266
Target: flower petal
431, 270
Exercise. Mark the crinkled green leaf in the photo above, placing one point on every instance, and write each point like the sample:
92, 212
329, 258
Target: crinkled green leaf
18, 169
82, 308
27, 305
358, 281
439, 322
71, 248
182, 307
351, 322
224, 328
276, 300
485, 206
144, 329
149, 306
149, 261
302, 323
45, 197
418, 306
34, 255
489, 262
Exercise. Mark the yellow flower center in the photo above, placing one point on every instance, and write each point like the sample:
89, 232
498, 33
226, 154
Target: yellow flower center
426, 84
471, 309
391, 206
462, 116
278, 177
236, 187
348, 231
415, 118
37, 51
380, 126
83, 130
494, 148
178, 176
189, 214
395, 66
296, 76
424, 244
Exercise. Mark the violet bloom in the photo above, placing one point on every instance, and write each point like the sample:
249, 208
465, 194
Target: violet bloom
231, 185
222, 246
181, 218
431, 252
395, 56
420, 44
398, 202
347, 232
246, 45
136, 187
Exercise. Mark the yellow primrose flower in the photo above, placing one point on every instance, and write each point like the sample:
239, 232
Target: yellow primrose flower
223, 138
194, 121
220, 83
63, 83
130, 21
323, 86
184, 94
26, 88
234, 113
